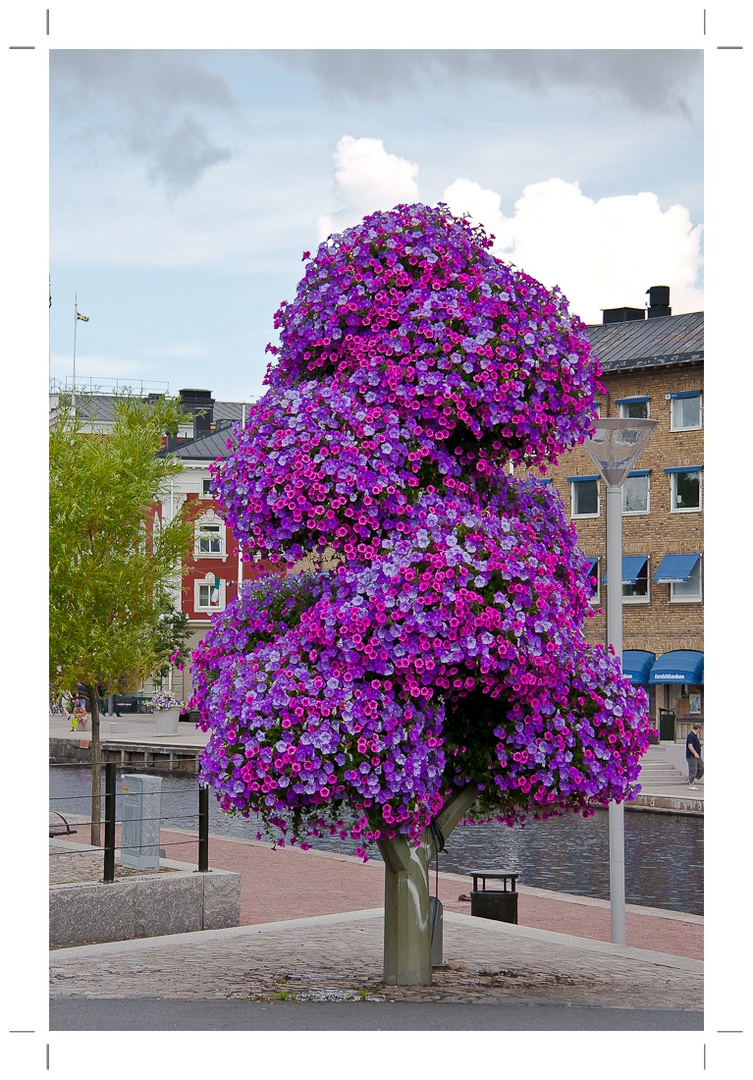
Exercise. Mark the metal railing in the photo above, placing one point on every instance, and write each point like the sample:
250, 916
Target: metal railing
110, 820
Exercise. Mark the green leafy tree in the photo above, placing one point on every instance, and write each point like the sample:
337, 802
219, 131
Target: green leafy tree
111, 558
171, 634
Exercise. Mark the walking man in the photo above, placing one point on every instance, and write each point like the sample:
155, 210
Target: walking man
693, 755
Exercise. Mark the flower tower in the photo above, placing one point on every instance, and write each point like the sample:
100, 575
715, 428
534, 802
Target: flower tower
437, 668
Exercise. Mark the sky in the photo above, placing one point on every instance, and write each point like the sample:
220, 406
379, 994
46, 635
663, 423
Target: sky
186, 184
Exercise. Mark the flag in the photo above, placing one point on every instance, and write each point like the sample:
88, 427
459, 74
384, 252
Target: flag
83, 318
215, 598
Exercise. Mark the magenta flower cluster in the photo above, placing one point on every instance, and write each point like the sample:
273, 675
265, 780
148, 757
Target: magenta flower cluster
446, 647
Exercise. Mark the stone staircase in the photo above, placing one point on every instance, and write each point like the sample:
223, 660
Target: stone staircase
656, 771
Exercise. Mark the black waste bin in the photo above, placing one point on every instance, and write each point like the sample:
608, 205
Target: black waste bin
667, 720
498, 903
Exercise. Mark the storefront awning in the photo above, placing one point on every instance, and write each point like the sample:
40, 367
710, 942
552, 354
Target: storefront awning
674, 569
681, 666
637, 664
631, 568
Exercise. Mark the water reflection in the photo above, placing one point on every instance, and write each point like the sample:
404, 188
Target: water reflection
663, 852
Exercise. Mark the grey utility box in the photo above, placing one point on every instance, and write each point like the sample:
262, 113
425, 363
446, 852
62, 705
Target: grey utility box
142, 806
436, 930
500, 903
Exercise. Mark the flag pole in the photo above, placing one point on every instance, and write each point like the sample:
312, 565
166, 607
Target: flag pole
75, 320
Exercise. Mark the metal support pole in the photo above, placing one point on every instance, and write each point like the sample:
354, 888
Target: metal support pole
109, 874
203, 830
614, 638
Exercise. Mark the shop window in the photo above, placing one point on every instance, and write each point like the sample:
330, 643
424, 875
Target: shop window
584, 496
685, 489
685, 411
635, 493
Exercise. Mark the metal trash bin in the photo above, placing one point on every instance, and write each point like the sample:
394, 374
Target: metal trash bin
498, 903
667, 721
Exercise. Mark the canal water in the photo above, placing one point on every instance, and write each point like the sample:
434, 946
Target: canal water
663, 852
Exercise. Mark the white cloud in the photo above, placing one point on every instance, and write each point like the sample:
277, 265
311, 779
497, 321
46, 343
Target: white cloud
367, 178
603, 253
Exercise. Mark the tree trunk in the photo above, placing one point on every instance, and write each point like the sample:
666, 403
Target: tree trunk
94, 755
407, 941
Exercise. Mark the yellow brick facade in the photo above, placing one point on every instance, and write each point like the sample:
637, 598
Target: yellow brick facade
661, 624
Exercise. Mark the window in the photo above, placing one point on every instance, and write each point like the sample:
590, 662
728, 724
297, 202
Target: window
205, 489
686, 488
635, 590
209, 594
685, 409
210, 541
635, 582
635, 493
584, 493
210, 537
635, 408
687, 591
592, 580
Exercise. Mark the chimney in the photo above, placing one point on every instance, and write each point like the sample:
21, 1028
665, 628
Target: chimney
201, 403
658, 301
622, 314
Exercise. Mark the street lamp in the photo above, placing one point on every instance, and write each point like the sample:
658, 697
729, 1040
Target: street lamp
615, 447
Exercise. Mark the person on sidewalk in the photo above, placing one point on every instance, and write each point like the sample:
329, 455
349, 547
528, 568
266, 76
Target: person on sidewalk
79, 712
693, 746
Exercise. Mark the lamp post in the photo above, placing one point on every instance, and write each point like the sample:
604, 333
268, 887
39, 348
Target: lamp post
614, 448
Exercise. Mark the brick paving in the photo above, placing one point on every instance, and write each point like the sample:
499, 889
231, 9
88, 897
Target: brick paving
331, 957
311, 927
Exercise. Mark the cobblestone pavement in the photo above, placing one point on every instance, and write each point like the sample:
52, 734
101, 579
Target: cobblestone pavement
332, 957
288, 883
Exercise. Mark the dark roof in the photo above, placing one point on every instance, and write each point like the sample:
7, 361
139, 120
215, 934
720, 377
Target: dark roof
206, 449
227, 410
672, 339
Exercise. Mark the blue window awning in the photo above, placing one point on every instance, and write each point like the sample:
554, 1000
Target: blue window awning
637, 664
681, 666
674, 569
632, 565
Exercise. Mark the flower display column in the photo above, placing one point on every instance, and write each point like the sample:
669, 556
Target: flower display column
432, 665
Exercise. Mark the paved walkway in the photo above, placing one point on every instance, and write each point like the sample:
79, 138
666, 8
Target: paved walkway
333, 957
312, 926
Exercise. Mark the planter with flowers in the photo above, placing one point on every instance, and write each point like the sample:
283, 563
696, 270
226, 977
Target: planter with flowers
167, 713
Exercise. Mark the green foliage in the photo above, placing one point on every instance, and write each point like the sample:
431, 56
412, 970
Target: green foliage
110, 563
171, 634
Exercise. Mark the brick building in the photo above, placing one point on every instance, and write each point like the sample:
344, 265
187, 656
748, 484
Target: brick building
214, 570
652, 367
